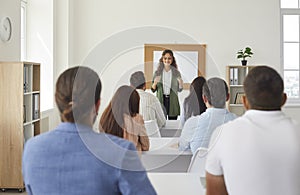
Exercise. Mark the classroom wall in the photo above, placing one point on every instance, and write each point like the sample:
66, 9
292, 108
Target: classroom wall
225, 26
11, 50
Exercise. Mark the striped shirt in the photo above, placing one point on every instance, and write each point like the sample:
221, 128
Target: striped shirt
150, 108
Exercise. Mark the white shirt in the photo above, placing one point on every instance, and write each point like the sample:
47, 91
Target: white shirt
258, 153
167, 80
150, 108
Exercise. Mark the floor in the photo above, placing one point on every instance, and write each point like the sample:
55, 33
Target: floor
12, 192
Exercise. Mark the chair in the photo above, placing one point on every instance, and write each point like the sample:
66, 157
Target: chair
152, 128
197, 164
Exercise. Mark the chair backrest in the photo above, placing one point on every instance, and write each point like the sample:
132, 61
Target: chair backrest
152, 128
197, 164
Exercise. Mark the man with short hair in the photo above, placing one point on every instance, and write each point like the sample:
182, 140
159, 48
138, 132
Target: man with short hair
150, 107
197, 130
257, 153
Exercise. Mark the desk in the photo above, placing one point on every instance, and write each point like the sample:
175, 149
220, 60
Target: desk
164, 144
176, 183
164, 156
171, 129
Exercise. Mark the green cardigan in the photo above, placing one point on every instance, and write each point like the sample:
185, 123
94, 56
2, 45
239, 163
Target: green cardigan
174, 102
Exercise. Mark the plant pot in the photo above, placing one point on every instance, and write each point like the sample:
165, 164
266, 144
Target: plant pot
244, 62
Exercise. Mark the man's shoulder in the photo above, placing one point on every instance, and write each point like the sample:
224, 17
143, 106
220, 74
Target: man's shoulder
204, 116
193, 119
149, 95
231, 115
197, 121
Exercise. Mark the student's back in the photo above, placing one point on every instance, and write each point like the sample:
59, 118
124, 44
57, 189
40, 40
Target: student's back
64, 161
150, 107
73, 159
257, 153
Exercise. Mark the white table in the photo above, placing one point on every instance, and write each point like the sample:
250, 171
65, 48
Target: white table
164, 144
171, 129
176, 183
164, 156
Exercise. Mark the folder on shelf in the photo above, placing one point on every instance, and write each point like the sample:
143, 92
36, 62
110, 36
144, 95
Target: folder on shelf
26, 78
24, 114
35, 106
231, 76
235, 76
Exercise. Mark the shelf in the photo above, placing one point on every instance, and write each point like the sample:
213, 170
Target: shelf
30, 122
21, 82
236, 105
32, 92
235, 76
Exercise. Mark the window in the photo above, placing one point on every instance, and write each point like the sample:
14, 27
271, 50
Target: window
290, 36
37, 43
23, 29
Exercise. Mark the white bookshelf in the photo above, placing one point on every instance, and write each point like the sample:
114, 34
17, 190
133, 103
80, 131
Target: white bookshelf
235, 75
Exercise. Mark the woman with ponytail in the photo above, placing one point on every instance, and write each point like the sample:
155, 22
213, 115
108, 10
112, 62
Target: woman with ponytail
72, 158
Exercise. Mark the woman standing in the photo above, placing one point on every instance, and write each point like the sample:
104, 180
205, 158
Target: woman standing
167, 83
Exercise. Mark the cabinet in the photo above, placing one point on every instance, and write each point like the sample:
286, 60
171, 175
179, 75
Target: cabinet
235, 75
19, 117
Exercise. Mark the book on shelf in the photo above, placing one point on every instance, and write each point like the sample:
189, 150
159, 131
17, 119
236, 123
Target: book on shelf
35, 106
239, 98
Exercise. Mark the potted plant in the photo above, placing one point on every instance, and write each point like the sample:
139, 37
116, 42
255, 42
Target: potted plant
244, 54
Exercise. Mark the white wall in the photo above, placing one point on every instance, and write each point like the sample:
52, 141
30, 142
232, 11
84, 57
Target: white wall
225, 26
11, 50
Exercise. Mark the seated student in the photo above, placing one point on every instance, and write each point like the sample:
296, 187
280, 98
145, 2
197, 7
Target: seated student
198, 130
150, 107
121, 118
73, 159
193, 104
257, 153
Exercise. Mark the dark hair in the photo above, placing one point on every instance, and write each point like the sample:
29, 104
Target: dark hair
216, 91
137, 80
174, 66
193, 103
264, 88
77, 91
125, 101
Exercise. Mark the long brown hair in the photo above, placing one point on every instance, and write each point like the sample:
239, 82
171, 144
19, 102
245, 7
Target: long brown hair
125, 101
193, 103
77, 91
174, 66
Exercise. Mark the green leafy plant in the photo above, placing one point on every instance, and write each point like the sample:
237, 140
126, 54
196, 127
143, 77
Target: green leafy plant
244, 53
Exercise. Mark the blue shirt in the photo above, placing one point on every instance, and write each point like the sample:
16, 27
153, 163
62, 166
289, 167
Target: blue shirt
72, 159
202, 126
